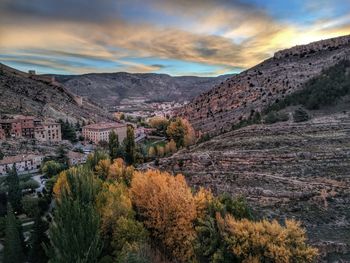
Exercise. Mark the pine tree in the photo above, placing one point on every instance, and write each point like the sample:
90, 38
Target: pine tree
13, 252
113, 145
130, 145
14, 190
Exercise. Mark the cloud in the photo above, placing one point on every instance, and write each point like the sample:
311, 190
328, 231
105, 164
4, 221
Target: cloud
85, 36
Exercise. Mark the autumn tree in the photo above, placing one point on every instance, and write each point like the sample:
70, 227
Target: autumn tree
75, 216
181, 131
172, 146
168, 209
160, 124
130, 145
265, 241
120, 172
151, 152
94, 158
102, 169
160, 151
118, 225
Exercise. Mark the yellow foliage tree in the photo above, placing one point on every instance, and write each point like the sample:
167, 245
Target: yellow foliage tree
172, 146
102, 168
202, 199
265, 241
151, 152
60, 184
160, 151
159, 123
168, 208
120, 172
181, 131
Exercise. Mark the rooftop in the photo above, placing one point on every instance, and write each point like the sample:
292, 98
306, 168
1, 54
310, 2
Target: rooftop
104, 125
18, 158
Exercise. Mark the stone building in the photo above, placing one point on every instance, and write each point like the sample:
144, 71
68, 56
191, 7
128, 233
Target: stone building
48, 132
28, 163
76, 158
100, 131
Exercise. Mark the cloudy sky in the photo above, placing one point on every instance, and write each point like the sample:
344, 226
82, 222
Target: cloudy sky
177, 37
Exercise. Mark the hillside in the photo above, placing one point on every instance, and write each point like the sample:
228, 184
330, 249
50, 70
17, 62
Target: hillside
40, 96
251, 91
109, 89
285, 170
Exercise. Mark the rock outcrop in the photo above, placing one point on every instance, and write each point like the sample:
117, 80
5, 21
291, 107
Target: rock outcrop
251, 91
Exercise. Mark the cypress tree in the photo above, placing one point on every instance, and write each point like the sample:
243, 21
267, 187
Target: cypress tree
39, 237
130, 145
13, 252
14, 191
113, 145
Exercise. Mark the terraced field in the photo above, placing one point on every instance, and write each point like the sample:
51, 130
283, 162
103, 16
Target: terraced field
285, 170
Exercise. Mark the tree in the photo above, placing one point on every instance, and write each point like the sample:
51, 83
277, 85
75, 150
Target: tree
151, 152
181, 131
300, 115
37, 239
172, 146
94, 158
265, 241
120, 172
113, 145
1, 155
52, 168
13, 252
14, 190
160, 151
68, 131
168, 209
159, 123
130, 145
30, 206
102, 169
75, 216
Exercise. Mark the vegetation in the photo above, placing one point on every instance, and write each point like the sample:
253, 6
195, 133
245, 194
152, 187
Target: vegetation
181, 131
52, 168
13, 251
68, 131
300, 115
273, 117
130, 146
14, 190
323, 90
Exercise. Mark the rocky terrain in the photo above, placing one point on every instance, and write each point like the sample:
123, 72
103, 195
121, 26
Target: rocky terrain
109, 89
285, 170
40, 96
251, 91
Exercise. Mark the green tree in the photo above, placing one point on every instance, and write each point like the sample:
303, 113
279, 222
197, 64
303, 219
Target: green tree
37, 239
300, 115
30, 206
68, 131
94, 158
1, 155
14, 190
74, 233
113, 145
52, 168
13, 252
130, 145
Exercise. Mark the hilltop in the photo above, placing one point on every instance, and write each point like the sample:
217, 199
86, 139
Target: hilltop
42, 96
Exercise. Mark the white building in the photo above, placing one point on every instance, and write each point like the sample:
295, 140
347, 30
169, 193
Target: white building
76, 158
27, 163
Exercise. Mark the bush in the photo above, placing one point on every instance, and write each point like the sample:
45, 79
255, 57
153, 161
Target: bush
300, 115
273, 117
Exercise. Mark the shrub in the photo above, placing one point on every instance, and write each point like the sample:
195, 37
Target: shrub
300, 115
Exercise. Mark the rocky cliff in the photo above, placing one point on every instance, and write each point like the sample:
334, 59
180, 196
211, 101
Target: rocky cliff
41, 96
251, 91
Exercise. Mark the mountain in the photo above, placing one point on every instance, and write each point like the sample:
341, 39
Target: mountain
109, 89
42, 96
249, 92
288, 169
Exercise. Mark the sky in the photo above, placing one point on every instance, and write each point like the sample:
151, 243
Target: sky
176, 37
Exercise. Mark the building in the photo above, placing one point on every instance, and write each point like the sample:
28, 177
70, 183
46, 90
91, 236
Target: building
48, 132
29, 127
28, 163
100, 131
76, 158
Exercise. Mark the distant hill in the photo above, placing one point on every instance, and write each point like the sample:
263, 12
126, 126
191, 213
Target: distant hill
109, 89
40, 96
